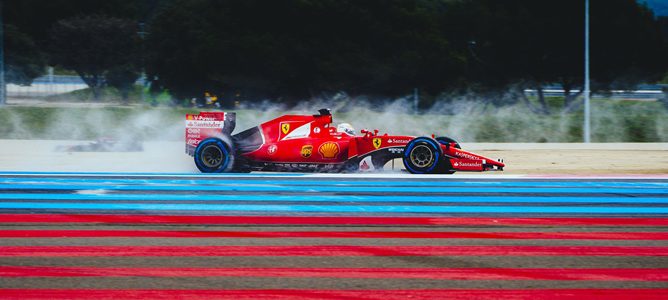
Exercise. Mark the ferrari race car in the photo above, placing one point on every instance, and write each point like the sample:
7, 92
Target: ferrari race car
310, 143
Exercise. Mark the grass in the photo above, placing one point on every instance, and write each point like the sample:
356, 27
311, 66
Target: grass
109, 94
612, 121
53, 123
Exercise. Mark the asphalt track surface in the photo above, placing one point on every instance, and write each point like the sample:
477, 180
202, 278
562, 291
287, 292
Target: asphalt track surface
267, 236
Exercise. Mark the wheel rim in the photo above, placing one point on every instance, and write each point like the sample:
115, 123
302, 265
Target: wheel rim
212, 156
421, 156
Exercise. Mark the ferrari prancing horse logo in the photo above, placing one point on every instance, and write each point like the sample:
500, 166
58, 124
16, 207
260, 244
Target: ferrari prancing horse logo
376, 142
285, 127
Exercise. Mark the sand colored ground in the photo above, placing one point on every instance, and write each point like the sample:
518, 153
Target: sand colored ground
579, 159
583, 162
531, 159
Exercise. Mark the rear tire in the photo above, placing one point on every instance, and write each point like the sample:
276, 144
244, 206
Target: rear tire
241, 165
422, 155
213, 155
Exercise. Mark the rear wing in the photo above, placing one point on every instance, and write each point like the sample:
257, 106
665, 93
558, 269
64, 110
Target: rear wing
205, 125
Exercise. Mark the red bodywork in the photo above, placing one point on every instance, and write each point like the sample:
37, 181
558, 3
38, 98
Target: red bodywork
311, 142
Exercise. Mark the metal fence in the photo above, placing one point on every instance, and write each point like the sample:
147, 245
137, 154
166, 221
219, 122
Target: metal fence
46, 86
647, 92
50, 85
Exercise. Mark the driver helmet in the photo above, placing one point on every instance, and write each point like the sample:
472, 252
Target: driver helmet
347, 128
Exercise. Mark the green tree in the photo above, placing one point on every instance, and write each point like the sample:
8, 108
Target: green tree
36, 17
27, 25
628, 45
123, 78
529, 44
94, 45
296, 49
23, 60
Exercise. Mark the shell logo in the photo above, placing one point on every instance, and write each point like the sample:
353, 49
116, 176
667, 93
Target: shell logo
189, 117
329, 150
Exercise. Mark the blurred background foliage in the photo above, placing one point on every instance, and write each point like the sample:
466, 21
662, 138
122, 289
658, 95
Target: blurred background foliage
291, 50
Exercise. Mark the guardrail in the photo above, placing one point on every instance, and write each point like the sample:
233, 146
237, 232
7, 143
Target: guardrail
49, 85
642, 92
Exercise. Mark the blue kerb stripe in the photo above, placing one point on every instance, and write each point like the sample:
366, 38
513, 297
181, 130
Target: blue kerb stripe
194, 174
342, 208
314, 189
222, 182
331, 198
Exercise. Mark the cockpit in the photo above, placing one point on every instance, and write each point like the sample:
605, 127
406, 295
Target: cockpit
346, 128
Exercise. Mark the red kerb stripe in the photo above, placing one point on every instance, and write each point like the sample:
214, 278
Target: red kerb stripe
334, 234
185, 251
404, 273
480, 294
267, 220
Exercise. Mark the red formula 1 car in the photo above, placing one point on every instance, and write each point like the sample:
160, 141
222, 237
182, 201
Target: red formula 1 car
310, 143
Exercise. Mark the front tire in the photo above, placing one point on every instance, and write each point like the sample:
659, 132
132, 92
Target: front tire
213, 155
422, 155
